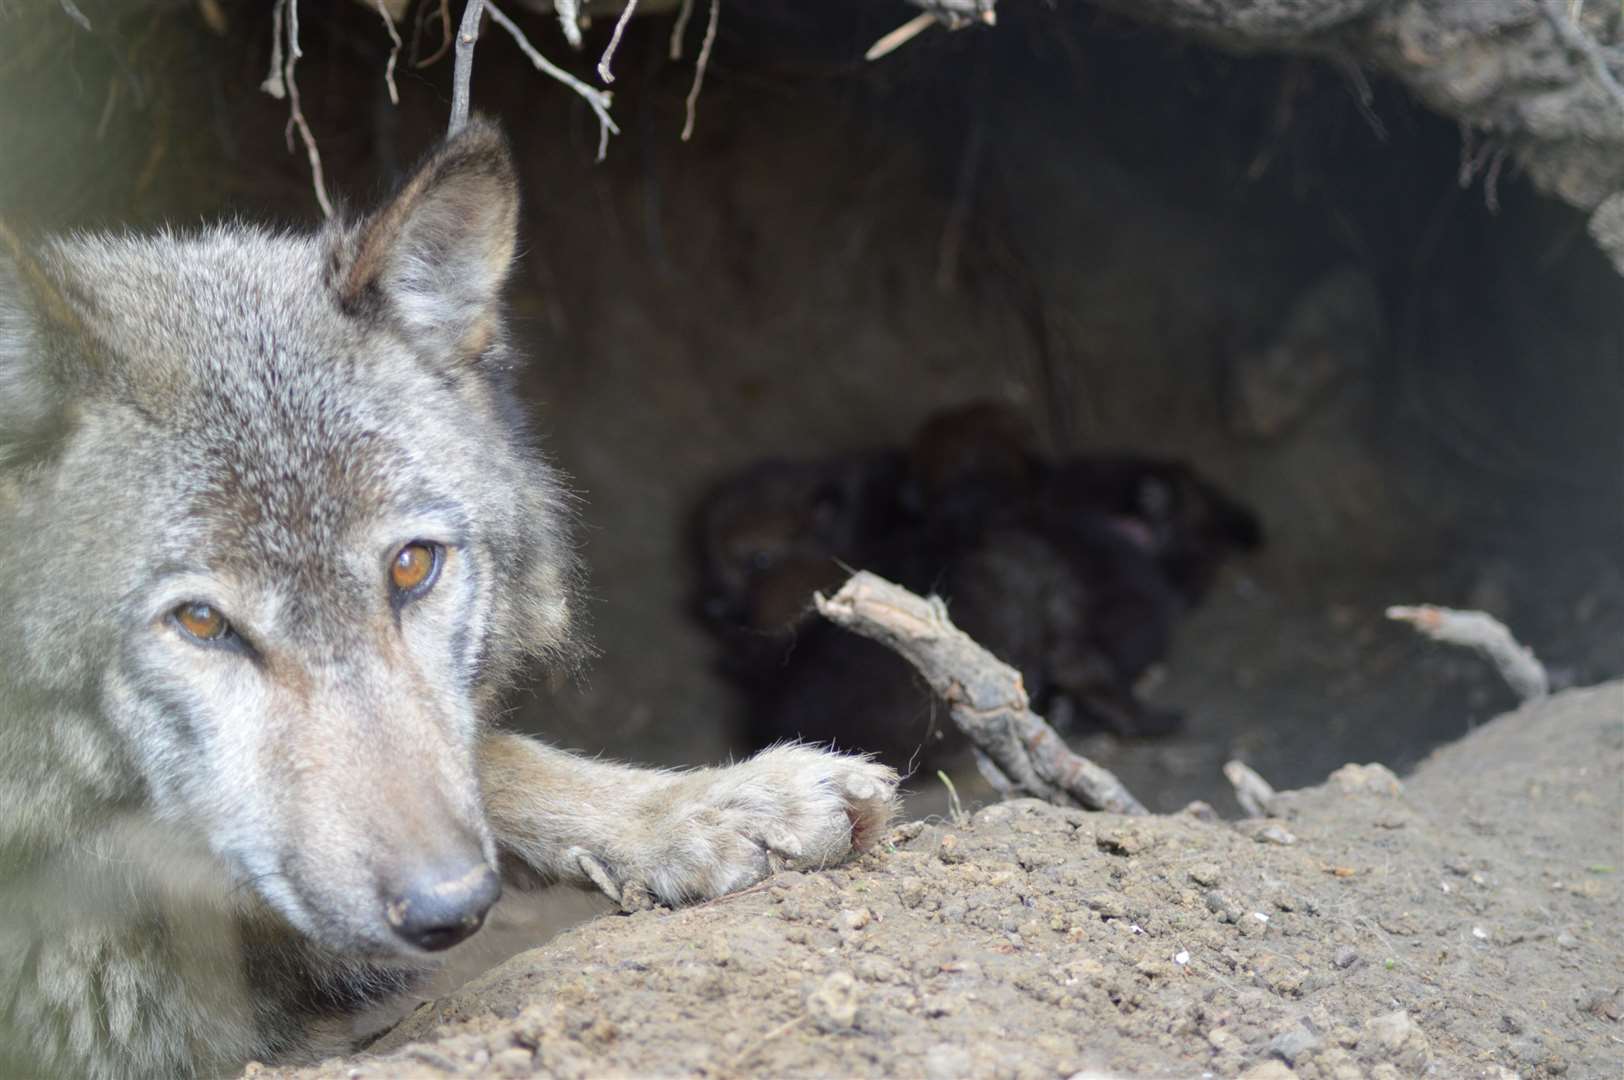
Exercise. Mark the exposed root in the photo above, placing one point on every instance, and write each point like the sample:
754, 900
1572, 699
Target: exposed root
984, 695
1255, 794
1516, 663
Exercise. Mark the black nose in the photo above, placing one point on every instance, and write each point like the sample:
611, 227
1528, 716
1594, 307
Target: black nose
440, 908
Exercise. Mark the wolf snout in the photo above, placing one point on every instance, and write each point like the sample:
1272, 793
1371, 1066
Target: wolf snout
443, 904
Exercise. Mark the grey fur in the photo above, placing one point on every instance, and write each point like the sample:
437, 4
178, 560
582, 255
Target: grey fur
194, 837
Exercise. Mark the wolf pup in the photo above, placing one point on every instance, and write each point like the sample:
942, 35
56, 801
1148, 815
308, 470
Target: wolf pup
273, 540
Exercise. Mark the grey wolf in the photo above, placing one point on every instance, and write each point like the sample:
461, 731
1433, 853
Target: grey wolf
1074, 571
273, 542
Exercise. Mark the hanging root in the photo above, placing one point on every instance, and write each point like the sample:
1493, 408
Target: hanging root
700, 66
280, 83
599, 100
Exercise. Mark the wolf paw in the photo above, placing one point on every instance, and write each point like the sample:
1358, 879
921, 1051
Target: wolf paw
791, 807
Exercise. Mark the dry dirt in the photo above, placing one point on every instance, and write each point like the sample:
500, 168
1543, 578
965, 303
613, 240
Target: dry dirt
1464, 922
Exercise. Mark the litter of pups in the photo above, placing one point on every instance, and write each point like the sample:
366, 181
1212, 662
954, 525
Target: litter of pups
1076, 572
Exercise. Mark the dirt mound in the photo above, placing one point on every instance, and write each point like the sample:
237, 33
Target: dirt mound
1464, 922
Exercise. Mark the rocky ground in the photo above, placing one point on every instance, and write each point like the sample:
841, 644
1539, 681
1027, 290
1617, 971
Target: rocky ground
1462, 922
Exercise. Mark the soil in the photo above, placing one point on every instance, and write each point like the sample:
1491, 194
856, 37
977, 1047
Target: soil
1461, 922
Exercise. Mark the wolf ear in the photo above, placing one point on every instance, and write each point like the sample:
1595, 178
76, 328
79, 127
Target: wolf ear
436, 257
34, 313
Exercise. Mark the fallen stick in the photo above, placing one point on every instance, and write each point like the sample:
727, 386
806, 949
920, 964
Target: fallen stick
1516, 663
984, 695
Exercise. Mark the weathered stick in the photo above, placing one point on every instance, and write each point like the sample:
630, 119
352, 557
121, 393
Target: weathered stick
1515, 662
984, 695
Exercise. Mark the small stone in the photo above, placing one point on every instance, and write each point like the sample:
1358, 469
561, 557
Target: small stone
1108, 905
1269, 1070
855, 919
948, 850
1290, 1046
1205, 874
1567, 940
1346, 957
1397, 1038
833, 1003
1125, 841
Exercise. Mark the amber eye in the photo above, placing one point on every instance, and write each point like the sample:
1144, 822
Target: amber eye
202, 622
414, 567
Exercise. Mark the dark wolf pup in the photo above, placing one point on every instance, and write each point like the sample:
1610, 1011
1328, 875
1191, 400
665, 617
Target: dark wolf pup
273, 541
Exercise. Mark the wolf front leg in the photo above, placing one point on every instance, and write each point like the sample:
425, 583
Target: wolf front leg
648, 836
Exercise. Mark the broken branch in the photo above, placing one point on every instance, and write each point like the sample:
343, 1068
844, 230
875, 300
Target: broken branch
984, 695
1515, 662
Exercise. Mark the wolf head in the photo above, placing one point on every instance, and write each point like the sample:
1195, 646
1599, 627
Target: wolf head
267, 509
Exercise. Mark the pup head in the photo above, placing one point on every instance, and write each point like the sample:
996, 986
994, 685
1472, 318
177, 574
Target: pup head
266, 507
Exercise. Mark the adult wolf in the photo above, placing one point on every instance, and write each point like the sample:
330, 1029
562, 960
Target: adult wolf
272, 542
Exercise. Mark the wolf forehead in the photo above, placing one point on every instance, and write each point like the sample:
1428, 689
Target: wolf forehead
294, 420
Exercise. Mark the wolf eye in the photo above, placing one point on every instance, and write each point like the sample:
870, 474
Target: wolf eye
414, 569
202, 622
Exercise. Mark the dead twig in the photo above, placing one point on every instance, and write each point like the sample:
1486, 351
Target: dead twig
1516, 663
463, 73
394, 53
599, 100
984, 695
1254, 793
699, 67
281, 83
614, 41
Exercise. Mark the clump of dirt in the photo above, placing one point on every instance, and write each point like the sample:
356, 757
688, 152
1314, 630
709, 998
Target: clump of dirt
1462, 922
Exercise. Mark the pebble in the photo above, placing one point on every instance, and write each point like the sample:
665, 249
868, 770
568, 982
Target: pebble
833, 1003
1346, 957
1290, 1046
1399, 1039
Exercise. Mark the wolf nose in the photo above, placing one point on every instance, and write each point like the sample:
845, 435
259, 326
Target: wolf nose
439, 909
